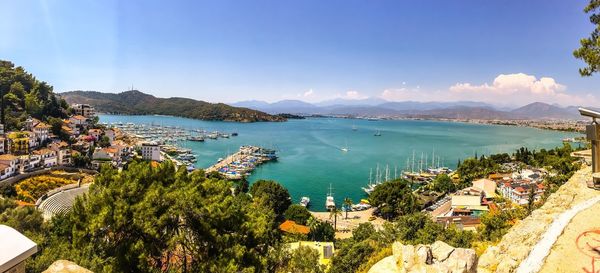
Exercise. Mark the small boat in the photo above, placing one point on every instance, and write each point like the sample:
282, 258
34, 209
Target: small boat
305, 201
195, 138
377, 133
354, 128
224, 135
344, 149
329, 202
234, 134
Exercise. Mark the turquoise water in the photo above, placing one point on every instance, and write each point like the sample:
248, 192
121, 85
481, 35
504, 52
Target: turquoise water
310, 157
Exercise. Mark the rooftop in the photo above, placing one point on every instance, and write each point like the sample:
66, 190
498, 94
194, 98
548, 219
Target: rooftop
15, 248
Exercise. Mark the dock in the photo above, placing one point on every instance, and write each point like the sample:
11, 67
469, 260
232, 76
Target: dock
243, 162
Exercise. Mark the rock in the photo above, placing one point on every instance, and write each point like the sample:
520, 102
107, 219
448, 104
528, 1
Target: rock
462, 260
387, 265
440, 251
424, 254
64, 266
408, 257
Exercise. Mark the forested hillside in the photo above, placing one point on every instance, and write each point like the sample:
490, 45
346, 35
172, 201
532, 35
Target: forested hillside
22, 95
138, 103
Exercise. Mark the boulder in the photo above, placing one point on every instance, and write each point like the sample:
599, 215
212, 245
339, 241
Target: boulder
441, 251
64, 266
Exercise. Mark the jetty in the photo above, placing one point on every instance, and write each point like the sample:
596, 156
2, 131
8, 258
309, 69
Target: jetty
243, 162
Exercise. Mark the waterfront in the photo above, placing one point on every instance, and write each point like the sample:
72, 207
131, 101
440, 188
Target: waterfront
310, 155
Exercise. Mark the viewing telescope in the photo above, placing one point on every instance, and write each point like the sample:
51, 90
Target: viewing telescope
589, 113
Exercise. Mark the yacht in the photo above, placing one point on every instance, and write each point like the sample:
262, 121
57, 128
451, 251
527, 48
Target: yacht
305, 201
329, 202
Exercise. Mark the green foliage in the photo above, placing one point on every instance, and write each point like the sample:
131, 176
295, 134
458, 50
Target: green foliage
138, 103
272, 194
146, 219
363, 232
495, 224
22, 95
350, 255
304, 259
104, 142
297, 213
394, 198
443, 183
474, 168
589, 51
322, 232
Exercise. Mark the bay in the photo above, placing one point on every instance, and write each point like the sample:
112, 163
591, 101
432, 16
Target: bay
310, 155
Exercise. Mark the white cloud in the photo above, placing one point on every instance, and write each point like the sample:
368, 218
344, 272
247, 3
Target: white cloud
520, 89
354, 95
308, 93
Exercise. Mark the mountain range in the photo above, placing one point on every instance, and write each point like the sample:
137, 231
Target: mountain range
414, 109
137, 103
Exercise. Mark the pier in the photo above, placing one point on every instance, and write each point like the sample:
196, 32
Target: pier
243, 162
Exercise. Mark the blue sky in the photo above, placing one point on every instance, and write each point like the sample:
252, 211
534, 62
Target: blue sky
507, 52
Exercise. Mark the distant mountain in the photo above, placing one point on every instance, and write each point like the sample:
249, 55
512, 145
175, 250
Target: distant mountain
424, 106
465, 112
284, 106
138, 103
372, 101
540, 110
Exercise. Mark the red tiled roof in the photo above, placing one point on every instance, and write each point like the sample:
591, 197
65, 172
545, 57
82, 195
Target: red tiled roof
290, 226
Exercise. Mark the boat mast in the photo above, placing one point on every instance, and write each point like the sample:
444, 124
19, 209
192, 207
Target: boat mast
412, 169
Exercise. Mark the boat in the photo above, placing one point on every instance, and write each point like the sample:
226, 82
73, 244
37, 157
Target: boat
354, 128
195, 138
329, 202
377, 133
234, 134
305, 201
345, 148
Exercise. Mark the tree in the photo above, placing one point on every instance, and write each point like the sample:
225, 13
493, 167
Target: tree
272, 194
363, 231
322, 232
347, 205
351, 256
104, 142
297, 213
304, 259
531, 198
589, 51
443, 184
333, 213
394, 198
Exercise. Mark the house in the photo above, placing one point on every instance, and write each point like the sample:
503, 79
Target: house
62, 151
12, 165
15, 249
468, 202
487, 186
111, 134
96, 133
520, 191
48, 157
85, 110
18, 143
290, 226
151, 151
78, 120
40, 131
325, 249
27, 162
2, 141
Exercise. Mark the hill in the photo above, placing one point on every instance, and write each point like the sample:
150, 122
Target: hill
23, 95
540, 110
137, 103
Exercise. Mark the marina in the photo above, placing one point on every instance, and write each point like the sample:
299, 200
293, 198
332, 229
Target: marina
240, 164
309, 155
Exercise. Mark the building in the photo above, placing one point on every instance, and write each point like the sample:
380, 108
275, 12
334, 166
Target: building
18, 143
48, 157
15, 249
468, 202
62, 151
290, 226
151, 151
85, 110
10, 165
40, 131
2, 141
519, 191
325, 249
487, 186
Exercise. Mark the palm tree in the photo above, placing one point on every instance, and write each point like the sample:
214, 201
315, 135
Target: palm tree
334, 213
348, 205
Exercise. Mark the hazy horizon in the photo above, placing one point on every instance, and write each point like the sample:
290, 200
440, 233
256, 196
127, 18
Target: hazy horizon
508, 54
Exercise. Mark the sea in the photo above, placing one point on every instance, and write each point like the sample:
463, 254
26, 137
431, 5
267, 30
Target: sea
311, 159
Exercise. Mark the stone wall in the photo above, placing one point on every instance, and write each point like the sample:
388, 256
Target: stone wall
516, 245
437, 257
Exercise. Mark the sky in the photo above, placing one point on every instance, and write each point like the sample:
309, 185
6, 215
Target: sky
504, 52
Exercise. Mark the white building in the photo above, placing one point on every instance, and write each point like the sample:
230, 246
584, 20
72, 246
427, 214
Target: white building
62, 151
85, 110
48, 157
40, 131
10, 165
151, 151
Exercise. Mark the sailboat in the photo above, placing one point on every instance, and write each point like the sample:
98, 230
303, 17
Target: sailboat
329, 202
377, 133
354, 128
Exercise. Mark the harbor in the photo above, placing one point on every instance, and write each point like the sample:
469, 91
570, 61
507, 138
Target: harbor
240, 164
